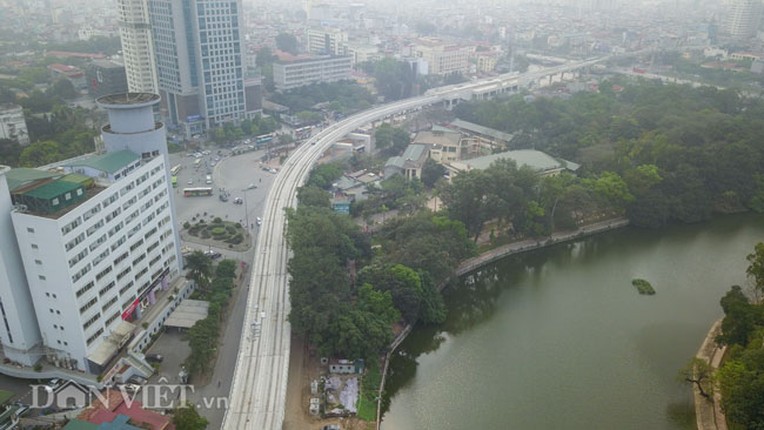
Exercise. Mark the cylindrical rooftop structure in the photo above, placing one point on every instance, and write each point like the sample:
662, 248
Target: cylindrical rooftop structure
131, 124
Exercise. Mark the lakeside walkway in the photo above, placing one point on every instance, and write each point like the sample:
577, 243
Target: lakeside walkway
709, 414
530, 244
496, 254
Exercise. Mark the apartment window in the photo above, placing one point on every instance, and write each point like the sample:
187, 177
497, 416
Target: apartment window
41, 277
88, 305
125, 288
90, 321
94, 336
109, 303
30, 230
103, 273
107, 288
85, 289
34, 246
38, 262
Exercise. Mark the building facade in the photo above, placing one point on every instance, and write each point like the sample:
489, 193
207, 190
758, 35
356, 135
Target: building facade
199, 58
443, 58
97, 238
106, 77
741, 19
137, 47
326, 41
13, 125
289, 75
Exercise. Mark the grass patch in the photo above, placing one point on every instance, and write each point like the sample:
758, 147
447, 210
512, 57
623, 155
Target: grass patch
643, 286
367, 401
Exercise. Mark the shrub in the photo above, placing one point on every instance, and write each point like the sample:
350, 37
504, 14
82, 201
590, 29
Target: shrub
204, 234
186, 225
217, 220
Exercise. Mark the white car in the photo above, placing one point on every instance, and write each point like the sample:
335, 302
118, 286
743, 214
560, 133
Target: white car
259, 221
190, 181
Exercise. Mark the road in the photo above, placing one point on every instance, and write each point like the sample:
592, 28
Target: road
258, 393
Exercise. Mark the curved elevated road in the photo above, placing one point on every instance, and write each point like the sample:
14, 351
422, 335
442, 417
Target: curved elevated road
258, 392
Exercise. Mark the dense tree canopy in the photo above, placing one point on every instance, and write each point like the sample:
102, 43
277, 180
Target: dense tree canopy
662, 152
741, 377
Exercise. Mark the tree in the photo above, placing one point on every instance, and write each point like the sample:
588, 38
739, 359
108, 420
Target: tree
312, 195
199, 268
186, 417
755, 270
432, 172
739, 318
287, 43
40, 153
699, 373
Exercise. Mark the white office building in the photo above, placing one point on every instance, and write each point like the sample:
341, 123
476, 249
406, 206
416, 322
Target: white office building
12, 124
137, 46
326, 41
289, 75
97, 241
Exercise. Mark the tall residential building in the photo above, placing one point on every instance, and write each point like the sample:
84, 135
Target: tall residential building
199, 62
741, 19
137, 46
93, 244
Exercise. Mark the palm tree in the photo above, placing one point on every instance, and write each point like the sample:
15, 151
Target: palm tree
199, 268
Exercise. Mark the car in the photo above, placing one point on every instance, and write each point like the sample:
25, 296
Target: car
259, 221
238, 201
331, 427
190, 181
154, 358
212, 254
251, 186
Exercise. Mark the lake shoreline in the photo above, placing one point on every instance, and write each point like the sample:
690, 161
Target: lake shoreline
494, 255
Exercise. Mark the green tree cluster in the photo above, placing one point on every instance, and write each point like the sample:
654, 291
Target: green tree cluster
344, 96
681, 153
741, 377
230, 132
215, 287
338, 318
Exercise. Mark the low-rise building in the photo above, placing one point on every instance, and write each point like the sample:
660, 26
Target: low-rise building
540, 162
302, 72
409, 164
13, 125
447, 145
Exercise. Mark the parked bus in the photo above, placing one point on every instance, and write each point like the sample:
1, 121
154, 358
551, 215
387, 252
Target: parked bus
197, 192
174, 180
302, 132
175, 169
263, 139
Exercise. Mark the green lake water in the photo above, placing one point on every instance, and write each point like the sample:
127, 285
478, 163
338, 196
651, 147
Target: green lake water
560, 339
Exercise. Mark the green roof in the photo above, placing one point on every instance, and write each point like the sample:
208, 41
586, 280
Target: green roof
23, 175
536, 160
80, 425
52, 190
76, 178
111, 162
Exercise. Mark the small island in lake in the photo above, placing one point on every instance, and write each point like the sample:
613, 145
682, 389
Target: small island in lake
643, 286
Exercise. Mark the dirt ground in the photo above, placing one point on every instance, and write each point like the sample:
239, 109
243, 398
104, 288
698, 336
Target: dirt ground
302, 369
